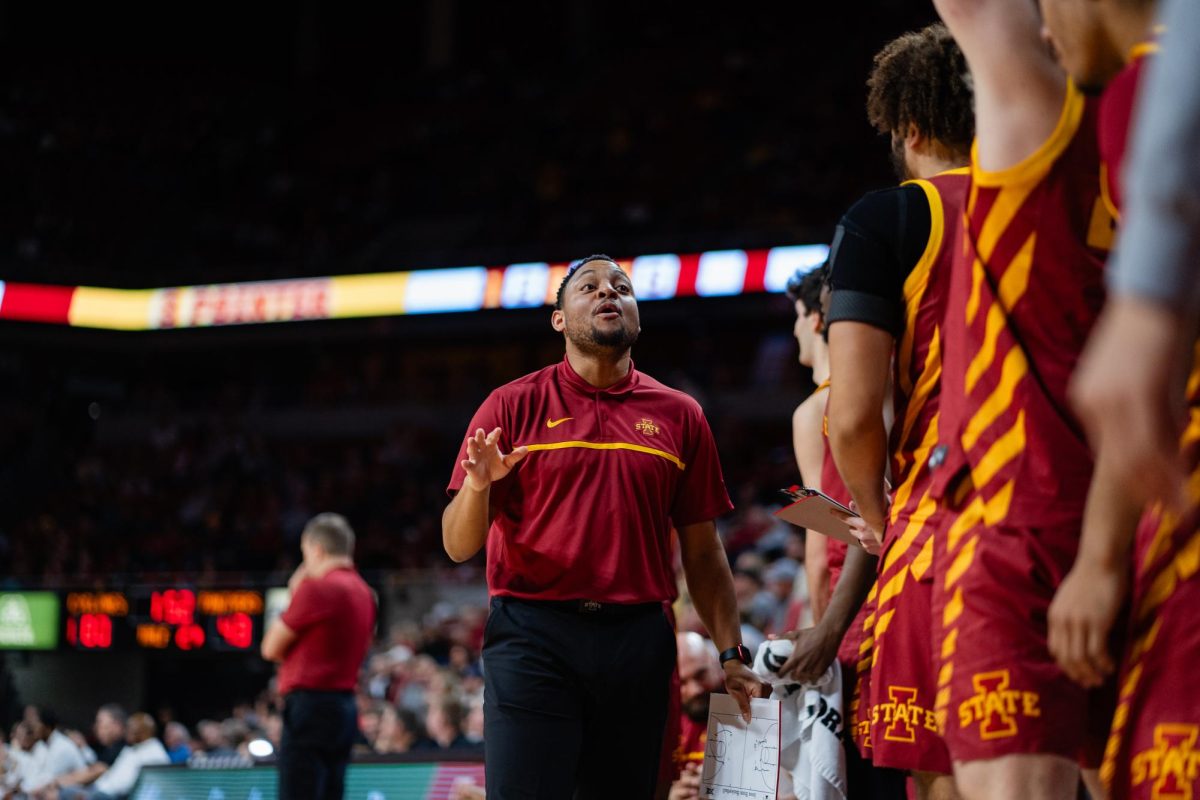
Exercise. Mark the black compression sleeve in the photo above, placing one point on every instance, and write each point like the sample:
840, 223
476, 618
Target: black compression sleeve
878, 243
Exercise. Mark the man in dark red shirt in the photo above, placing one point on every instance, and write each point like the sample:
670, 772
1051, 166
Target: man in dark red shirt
587, 467
700, 675
321, 641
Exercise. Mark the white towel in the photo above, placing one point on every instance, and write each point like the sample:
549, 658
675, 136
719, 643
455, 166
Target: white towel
812, 763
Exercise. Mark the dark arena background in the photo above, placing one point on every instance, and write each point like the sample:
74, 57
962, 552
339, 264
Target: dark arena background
261, 261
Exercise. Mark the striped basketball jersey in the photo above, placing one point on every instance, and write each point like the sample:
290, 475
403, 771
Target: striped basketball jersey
1026, 287
917, 365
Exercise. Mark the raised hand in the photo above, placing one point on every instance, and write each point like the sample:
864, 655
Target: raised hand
484, 463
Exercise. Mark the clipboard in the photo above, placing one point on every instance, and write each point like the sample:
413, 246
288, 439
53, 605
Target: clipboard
815, 511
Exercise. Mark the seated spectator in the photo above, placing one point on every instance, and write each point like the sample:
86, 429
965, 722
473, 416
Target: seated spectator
178, 742
119, 779
473, 729
700, 675
445, 724
401, 731
368, 727
779, 596
54, 754
212, 736
18, 757
109, 729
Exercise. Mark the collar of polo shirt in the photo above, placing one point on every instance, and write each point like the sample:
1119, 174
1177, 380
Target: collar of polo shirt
572, 379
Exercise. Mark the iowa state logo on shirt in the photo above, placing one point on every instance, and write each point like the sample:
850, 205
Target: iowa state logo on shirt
646, 427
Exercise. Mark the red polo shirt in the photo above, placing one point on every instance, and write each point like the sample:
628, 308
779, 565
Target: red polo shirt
333, 617
588, 514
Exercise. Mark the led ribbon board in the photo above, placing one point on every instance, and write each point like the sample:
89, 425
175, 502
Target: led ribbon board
715, 273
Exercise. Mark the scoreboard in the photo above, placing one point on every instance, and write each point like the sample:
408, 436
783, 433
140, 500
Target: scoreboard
169, 618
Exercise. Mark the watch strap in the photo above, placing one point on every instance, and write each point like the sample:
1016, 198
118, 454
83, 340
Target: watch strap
738, 652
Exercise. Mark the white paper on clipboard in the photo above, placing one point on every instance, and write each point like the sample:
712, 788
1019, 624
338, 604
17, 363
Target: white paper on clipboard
818, 512
741, 761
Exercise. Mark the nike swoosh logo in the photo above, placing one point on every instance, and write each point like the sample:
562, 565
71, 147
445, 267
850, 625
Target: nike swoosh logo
554, 423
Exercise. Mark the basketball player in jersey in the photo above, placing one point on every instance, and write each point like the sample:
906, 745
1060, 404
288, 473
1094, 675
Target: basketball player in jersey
808, 422
1157, 721
1012, 467
890, 272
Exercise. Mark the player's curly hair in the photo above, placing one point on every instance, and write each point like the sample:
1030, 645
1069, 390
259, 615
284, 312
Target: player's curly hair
922, 78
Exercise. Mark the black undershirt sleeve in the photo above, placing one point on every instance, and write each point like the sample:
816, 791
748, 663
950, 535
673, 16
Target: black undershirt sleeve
877, 244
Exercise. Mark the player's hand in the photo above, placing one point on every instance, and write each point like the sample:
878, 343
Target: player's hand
1129, 391
687, 787
1081, 616
813, 650
742, 683
485, 463
869, 535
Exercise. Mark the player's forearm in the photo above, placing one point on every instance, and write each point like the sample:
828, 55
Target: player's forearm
816, 570
852, 589
858, 440
465, 523
710, 583
1110, 520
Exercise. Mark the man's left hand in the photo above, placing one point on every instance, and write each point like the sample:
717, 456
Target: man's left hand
742, 683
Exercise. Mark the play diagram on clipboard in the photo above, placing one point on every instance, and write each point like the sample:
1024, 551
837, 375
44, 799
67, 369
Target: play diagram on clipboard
741, 761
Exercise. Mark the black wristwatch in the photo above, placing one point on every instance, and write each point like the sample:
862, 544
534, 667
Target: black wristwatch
738, 652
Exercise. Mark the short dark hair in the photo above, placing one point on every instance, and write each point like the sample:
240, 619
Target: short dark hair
922, 78
47, 716
806, 286
453, 710
332, 532
411, 722
572, 268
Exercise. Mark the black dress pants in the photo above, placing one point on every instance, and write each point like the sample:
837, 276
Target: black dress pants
318, 732
575, 699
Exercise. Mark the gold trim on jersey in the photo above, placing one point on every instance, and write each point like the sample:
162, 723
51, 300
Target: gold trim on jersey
1034, 166
637, 448
1105, 195
918, 280
1143, 49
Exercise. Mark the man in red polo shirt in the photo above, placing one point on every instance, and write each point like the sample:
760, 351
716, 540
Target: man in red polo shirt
574, 477
321, 640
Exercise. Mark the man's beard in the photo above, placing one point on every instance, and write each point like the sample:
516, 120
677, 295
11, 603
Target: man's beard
592, 340
697, 708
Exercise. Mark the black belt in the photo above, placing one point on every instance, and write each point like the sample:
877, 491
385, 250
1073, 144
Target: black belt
589, 607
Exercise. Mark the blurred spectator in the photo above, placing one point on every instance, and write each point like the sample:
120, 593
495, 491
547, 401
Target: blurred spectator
214, 739
109, 729
782, 609
700, 675
18, 756
473, 727
401, 731
445, 724
54, 754
178, 742
118, 781
368, 726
